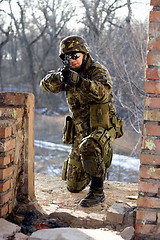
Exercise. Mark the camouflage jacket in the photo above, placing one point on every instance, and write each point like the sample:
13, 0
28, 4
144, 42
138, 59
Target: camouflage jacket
96, 87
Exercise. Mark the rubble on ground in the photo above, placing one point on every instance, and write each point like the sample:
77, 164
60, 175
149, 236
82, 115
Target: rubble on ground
10, 231
56, 210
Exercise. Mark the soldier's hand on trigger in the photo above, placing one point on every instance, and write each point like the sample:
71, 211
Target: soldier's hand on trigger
53, 75
71, 77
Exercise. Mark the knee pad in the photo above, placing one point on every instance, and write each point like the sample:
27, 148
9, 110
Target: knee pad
77, 178
95, 152
91, 157
89, 147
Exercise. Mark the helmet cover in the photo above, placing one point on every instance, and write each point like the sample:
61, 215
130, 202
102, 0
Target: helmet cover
73, 44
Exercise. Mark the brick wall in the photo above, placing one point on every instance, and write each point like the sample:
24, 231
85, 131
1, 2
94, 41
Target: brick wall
16, 150
148, 204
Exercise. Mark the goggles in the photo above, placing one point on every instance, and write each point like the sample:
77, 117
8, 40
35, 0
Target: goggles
75, 56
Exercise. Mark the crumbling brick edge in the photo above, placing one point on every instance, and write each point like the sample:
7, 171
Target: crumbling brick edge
16, 150
148, 204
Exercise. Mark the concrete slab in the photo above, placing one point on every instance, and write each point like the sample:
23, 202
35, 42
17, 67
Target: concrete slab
7, 229
78, 219
128, 233
74, 233
116, 213
20, 236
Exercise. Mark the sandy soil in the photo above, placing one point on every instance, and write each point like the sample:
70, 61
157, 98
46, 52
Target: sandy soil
52, 191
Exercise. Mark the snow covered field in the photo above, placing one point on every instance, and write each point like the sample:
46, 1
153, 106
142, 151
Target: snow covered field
49, 159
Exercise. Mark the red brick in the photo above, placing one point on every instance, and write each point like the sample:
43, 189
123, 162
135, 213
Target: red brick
7, 145
147, 229
5, 186
152, 87
4, 160
4, 198
152, 102
153, 44
15, 99
145, 215
148, 187
5, 131
151, 130
151, 115
10, 207
153, 59
155, 3
13, 113
3, 210
150, 159
12, 156
149, 172
138, 238
12, 183
152, 73
158, 220
6, 172
20, 136
148, 202
154, 30
151, 144
154, 16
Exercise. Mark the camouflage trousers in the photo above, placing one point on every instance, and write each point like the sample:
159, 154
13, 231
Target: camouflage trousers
86, 159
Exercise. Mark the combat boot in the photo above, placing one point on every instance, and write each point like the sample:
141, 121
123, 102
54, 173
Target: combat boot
95, 194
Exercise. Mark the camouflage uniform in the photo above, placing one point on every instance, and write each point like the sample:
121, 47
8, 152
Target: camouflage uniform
86, 159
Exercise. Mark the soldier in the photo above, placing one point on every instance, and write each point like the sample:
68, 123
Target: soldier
92, 126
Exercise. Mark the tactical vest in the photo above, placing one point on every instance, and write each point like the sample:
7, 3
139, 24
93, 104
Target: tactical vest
100, 116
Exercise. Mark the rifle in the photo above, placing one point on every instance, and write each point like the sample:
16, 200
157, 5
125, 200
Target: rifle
65, 69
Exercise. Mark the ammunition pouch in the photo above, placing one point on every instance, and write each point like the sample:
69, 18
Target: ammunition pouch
68, 131
117, 123
99, 116
64, 169
108, 157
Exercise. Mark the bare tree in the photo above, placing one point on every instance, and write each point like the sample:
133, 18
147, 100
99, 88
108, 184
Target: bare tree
127, 50
58, 13
128, 18
5, 34
100, 15
26, 43
38, 27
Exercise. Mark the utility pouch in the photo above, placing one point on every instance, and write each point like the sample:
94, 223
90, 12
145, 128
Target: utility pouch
64, 169
118, 125
99, 116
68, 131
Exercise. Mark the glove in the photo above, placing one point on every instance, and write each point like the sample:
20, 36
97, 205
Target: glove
53, 75
71, 77
51, 80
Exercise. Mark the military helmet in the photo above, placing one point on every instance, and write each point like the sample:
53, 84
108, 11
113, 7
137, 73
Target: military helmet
73, 44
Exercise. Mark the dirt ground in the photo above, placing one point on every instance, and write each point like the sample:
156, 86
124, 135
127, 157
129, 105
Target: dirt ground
51, 193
